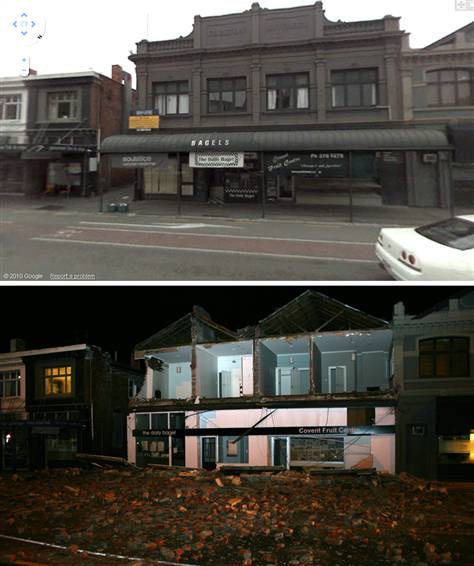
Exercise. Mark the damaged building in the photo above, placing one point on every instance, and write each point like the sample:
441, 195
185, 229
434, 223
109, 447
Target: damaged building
308, 386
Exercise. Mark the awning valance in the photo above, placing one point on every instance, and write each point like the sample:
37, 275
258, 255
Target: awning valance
304, 140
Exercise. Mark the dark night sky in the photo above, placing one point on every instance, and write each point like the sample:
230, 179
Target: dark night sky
116, 318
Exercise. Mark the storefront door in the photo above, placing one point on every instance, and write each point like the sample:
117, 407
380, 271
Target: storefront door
209, 452
286, 188
280, 452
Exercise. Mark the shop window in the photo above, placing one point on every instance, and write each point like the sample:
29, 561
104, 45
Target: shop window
227, 95
62, 106
288, 92
10, 107
444, 357
456, 449
317, 450
58, 381
450, 87
354, 88
171, 98
9, 384
232, 450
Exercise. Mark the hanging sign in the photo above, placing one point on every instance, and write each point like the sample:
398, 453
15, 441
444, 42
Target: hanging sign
216, 160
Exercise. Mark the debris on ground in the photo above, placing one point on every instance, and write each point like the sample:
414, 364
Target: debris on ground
208, 518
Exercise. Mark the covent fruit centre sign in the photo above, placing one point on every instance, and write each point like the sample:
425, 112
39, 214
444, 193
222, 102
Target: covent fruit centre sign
321, 164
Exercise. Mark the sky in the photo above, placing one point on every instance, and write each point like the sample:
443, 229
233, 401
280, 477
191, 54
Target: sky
118, 318
94, 34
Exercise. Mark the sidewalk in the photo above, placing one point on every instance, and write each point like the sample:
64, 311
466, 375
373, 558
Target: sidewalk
365, 209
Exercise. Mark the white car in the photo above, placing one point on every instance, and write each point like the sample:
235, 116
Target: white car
443, 251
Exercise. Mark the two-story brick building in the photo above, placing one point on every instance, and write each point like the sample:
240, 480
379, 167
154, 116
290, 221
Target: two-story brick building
438, 89
434, 376
285, 105
309, 386
57, 402
52, 126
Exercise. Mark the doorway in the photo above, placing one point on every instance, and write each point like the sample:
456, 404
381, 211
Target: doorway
281, 452
286, 189
209, 453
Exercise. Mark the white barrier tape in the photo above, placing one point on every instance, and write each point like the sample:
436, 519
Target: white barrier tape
103, 554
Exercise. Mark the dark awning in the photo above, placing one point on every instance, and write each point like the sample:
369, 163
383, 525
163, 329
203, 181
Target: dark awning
304, 140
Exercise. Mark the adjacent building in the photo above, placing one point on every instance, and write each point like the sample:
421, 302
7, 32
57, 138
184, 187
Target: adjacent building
285, 105
309, 386
434, 377
57, 402
52, 126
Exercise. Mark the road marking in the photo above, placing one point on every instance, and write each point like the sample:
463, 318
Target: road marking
233, 237
225, 252
167, 226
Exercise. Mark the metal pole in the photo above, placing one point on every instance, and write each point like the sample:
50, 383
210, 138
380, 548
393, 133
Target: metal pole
351, 196
179, 182
264, 192
452, 204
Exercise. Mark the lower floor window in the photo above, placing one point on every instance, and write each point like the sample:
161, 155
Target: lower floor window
458, 449
317, 450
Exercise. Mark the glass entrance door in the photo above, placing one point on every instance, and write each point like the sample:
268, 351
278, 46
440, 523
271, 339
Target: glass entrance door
209, 452
280, 452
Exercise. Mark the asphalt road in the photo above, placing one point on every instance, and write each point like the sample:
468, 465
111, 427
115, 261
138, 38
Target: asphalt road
74, 246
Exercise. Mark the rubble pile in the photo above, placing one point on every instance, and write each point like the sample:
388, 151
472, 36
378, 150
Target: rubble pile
204, 518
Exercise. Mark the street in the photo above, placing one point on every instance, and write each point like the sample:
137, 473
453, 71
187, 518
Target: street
49, 244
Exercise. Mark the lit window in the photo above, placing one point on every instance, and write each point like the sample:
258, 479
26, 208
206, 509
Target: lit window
58, 381
9, 384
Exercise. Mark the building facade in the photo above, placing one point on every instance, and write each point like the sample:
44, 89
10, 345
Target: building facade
58, 402
286, 105
269, 397
434, 376
438, 87
52, 126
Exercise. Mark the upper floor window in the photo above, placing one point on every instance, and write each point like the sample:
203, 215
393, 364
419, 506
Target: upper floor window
354, 88
9, 384
58, 380
444, 357
454, 87
171, 98
10, 107
227, 95
62, 106
288, 92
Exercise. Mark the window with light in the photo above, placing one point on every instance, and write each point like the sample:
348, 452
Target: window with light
58, 381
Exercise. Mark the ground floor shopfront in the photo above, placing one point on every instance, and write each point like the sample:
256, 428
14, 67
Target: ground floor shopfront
45, 171
39, 445
436, 437
282, 438
397, 166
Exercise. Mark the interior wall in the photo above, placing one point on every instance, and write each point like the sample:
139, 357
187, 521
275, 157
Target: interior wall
268, 363
161, 383
336, 359
373, 370
207, 374
179, 381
